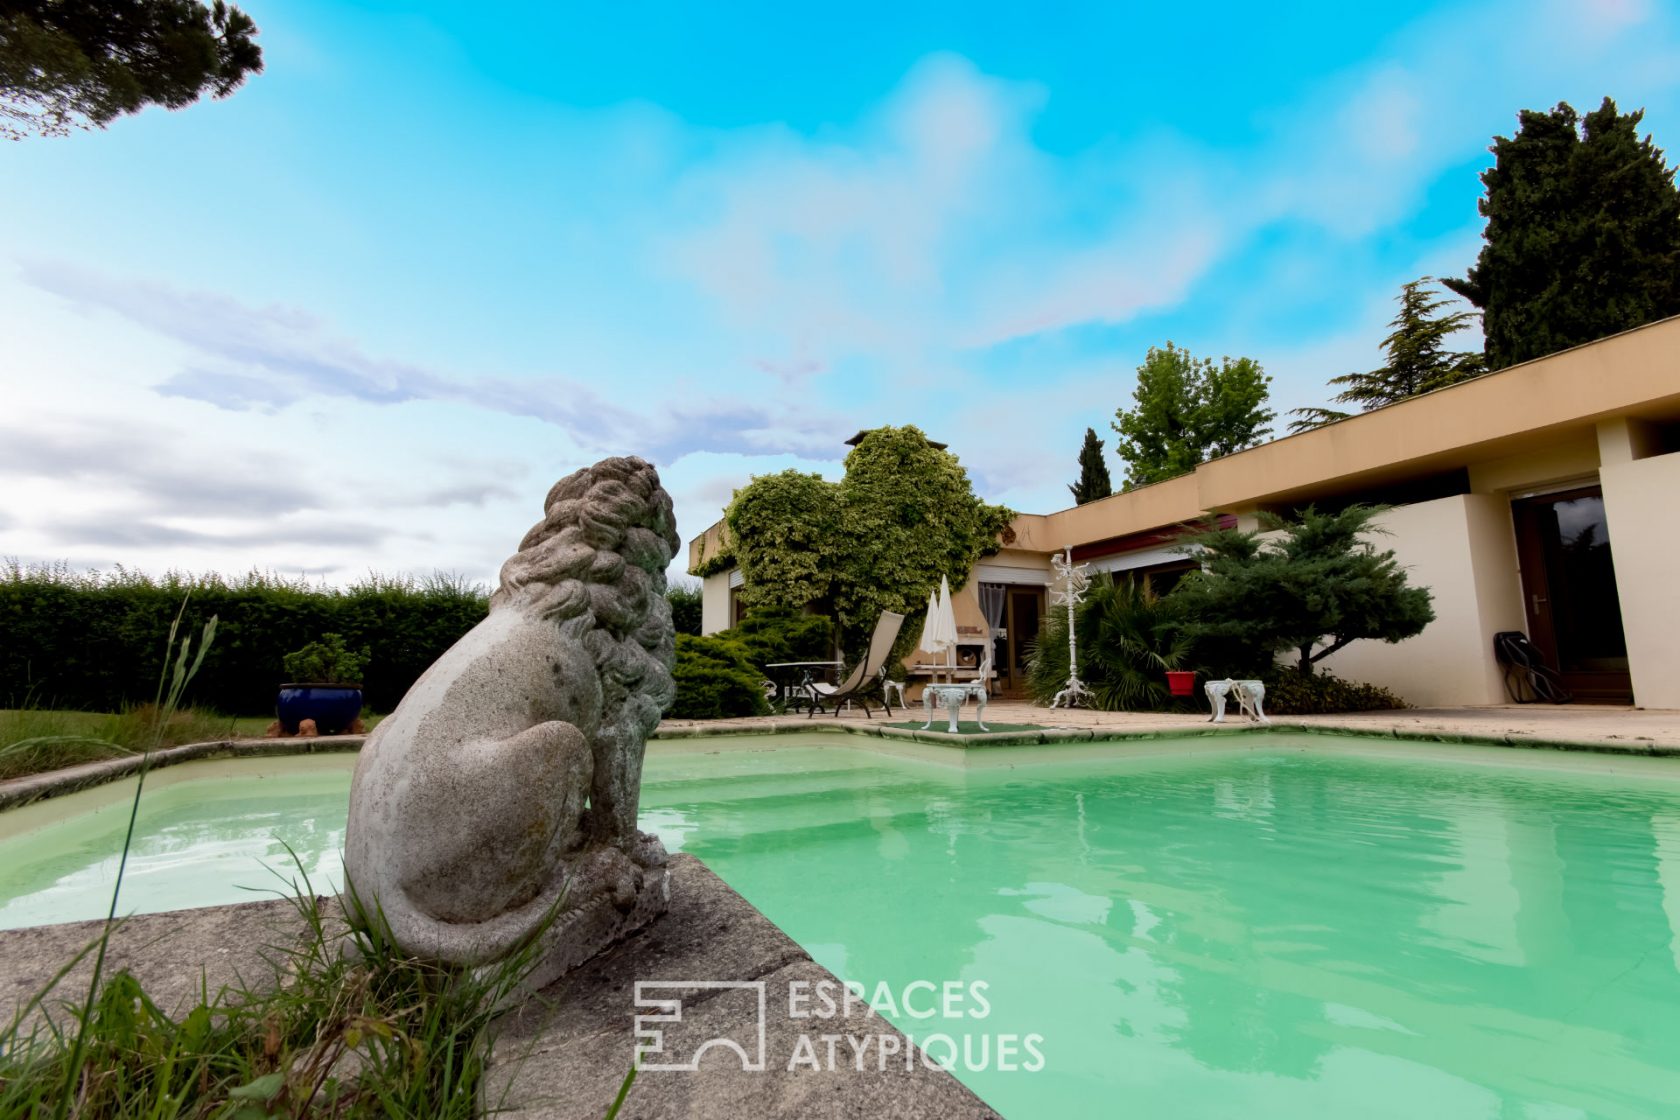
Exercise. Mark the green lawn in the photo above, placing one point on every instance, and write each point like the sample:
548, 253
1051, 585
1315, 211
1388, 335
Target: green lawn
56, 738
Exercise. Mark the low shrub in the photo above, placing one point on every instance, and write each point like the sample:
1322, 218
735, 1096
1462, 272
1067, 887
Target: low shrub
327, 661
715, 680
772, 634
1290, 692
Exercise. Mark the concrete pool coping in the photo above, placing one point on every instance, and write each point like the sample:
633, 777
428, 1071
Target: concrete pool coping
562, 1054
1571, 728
15, 792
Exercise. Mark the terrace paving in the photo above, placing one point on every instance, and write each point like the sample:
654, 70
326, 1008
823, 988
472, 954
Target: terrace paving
1596, 727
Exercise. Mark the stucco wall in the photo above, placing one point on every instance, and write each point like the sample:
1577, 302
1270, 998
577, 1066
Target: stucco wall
714, 603
1462, 549
1639, 502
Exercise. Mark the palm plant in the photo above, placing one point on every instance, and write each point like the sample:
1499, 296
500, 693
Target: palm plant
1128, 637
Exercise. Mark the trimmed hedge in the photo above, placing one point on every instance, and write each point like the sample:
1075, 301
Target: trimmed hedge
685, 599
715, 680
94, 641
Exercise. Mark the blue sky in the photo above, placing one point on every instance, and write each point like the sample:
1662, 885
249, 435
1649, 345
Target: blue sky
360, 315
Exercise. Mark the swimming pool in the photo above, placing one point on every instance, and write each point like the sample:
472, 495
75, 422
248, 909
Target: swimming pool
1264, 926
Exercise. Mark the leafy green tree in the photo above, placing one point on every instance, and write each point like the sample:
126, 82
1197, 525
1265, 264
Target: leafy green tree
1188, 410
1583, 234
1418, 360
879, 539
1093, 481
784, 532
84, 63
1312, 590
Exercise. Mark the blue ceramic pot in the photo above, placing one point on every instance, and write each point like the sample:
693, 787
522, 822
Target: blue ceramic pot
333, 707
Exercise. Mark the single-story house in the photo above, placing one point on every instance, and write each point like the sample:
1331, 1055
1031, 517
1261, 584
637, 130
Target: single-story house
1543, 498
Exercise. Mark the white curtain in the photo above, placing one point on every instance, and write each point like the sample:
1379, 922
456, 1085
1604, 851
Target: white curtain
991, 605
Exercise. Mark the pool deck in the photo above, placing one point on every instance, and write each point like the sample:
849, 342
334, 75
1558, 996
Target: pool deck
1569, 727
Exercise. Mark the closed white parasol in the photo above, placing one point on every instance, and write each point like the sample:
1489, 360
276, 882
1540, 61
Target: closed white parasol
929, 622
939, 632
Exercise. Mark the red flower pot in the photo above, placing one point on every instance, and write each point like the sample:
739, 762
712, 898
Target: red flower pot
1181, 682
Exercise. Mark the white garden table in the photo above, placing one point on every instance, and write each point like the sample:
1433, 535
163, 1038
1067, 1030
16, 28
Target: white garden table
951, 697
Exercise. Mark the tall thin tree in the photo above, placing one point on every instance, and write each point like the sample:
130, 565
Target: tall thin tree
1094, 481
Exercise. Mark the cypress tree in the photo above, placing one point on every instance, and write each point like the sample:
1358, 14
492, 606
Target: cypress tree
1583, 234
1093, 481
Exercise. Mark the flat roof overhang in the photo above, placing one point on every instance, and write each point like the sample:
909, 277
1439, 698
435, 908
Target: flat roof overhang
1527, 407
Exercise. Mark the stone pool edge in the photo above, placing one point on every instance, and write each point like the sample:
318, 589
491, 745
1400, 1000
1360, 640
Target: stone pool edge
561, 1054
16, 792
1059, 735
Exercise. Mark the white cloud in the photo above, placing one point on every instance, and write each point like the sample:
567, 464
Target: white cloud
733, 302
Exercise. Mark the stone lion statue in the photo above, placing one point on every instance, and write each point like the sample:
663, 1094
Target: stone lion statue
499, 799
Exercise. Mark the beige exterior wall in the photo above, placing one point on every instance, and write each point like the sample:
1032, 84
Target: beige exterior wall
1032, 534
1461, 548
714, 603
706, 545
1640, 502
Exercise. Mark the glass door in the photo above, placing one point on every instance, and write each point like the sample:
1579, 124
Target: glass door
1023, 611
1569, 591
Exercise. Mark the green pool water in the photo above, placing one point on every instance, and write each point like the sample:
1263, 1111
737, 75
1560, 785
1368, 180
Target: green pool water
1261, 927
208, 833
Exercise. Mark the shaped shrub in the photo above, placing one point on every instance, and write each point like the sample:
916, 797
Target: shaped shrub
772, 634
715, 680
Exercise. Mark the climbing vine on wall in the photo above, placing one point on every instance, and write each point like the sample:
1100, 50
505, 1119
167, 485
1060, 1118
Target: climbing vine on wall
879, 539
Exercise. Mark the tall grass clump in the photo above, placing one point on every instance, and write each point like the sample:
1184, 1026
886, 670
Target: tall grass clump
350, 1026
